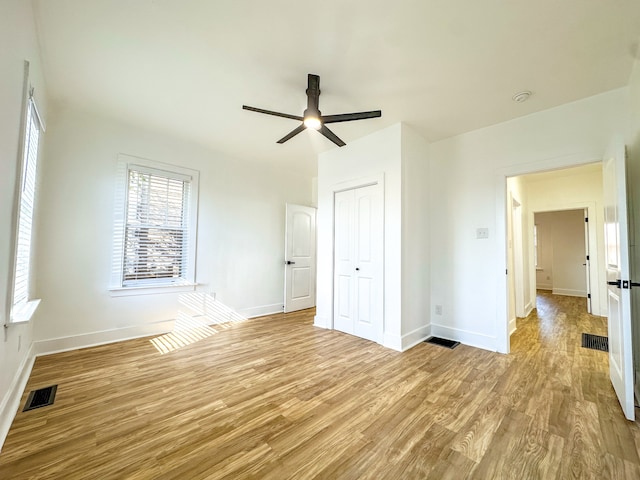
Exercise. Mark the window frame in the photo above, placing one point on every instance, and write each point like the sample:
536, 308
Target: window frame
23, 310
187, 281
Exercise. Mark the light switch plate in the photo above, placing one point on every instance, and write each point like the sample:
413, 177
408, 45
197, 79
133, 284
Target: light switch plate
482, 233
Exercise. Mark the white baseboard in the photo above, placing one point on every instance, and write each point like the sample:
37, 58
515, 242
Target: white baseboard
74, 342
261, 311
413, 338
528, 308
472, 339
392, 341
11, 401
569, 292
512, 326
544, 286
320, 322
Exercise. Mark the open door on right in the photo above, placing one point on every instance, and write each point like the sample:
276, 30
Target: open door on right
618, 281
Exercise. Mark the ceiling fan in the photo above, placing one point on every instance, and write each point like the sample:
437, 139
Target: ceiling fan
312, 118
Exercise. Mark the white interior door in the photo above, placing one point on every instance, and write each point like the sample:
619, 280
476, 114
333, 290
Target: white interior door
618, 285
358, 285
300, 258
518, 259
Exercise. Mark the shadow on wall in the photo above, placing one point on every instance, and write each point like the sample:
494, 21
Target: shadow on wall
201, 316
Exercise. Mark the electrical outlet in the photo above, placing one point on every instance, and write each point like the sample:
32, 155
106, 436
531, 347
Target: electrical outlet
482, 233
438, 309
213, 294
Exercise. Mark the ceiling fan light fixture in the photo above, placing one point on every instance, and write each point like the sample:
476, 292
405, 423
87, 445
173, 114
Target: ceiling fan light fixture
312, 118
312, 122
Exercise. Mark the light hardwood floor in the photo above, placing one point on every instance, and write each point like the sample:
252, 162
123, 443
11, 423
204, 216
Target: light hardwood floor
276, 398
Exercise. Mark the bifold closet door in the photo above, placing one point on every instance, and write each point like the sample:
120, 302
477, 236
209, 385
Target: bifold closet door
358, 243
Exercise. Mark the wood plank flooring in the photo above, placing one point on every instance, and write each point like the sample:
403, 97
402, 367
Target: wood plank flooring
276, 398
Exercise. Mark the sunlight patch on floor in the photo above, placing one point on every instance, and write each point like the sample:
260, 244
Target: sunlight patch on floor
201, 317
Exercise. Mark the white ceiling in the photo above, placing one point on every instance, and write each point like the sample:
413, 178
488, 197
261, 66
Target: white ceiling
186, 67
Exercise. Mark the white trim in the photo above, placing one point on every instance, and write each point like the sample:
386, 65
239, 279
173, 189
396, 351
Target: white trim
321, 322
168, 168
466, 337
512, 326
415, 337
11, 400
24, 312
569, 292
261, 311
390, 340
528, 309
74, 342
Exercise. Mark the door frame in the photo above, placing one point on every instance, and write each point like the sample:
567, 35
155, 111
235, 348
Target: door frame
588, 209
518, 256
501, 325
367, 181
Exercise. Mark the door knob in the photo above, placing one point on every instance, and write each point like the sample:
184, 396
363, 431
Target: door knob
617, 283
289, 262
357, 269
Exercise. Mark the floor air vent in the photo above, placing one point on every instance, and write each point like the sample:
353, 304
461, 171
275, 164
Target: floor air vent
41, 398
595, 342
443, 342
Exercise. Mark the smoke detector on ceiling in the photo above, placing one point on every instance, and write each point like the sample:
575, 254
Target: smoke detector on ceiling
521, 96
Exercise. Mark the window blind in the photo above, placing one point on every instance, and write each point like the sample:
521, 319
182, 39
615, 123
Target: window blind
27, 203
156, 234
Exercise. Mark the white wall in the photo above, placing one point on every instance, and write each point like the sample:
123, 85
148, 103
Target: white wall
563, 235
416, 288
375, 154
240, 253
575, 188
17, 43
401, 155
468, 190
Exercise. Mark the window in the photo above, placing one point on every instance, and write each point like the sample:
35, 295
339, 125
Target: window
156, 226
22, 307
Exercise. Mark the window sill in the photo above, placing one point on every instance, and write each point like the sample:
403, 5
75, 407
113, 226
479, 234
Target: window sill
24, 312
152, 289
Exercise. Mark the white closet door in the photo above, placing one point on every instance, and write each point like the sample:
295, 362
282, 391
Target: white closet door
344, 246
358, 295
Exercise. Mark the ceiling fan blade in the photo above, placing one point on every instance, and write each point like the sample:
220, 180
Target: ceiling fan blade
269, 112
331, 136
292, 134
347, 117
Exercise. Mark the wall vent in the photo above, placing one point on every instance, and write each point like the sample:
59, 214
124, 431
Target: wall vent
595, 342
443, 342
41, 398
